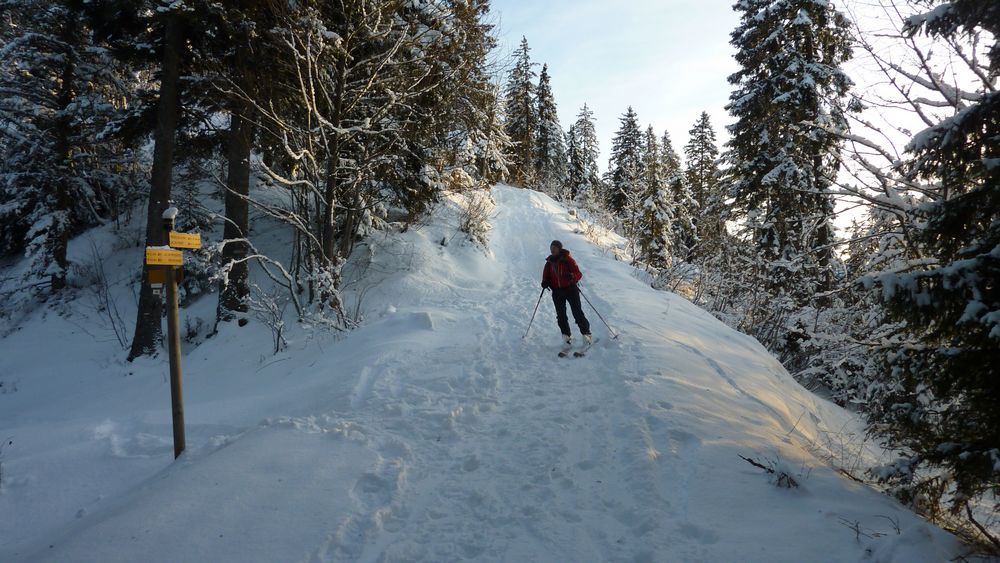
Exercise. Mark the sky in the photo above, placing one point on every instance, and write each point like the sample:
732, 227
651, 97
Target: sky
668, 59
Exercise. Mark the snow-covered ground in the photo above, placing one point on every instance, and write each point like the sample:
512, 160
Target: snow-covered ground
435, 432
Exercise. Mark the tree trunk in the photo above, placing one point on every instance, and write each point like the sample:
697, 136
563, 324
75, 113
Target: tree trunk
351, 221
333, 168
234, 290
148, 329
60, 229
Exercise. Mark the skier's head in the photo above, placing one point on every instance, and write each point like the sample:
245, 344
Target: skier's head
555, 248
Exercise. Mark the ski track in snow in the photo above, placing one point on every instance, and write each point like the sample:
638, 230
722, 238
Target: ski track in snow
456, 439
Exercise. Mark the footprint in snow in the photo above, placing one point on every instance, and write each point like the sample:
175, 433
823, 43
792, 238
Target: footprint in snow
486, 369
372, 491
703, 535
470, 464
685, 437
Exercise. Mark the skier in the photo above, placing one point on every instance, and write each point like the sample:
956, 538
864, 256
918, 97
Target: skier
560, 275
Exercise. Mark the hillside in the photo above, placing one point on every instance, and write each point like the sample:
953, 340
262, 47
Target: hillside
435, 432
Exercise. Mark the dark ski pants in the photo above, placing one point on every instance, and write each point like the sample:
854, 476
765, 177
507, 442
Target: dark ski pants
571, 294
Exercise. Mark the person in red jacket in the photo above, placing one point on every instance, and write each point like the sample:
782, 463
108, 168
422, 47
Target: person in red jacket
560, 275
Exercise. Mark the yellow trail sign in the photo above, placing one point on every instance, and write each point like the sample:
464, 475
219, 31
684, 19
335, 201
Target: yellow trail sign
158, 276
185, 240
164, 257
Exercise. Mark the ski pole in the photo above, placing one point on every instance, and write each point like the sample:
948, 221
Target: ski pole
537, 303
613, 335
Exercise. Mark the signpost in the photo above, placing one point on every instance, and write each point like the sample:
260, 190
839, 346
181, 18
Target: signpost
164, 257
168, 273
184, 240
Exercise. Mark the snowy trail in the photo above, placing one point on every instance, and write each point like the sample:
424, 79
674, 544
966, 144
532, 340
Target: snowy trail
501, 466
541, 452
436, 433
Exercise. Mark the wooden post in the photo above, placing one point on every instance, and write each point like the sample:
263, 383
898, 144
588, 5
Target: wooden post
174, 343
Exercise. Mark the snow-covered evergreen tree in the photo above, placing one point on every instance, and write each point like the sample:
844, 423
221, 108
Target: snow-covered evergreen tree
943, 410
474, 137
584, 177
684, 205
655, 231
491, 145
522, 116
60, 171
704, 181
625, 167
788, 97
551, 175
849, 336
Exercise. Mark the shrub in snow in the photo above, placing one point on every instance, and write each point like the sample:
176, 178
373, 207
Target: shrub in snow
475, 216
780, 474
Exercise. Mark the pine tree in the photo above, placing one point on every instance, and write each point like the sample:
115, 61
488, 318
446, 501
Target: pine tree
573, 154
161, 34
491, 145
656, 224
471, 132
684, 206
522, 116
789, 103
625, 167
583, 149
703, 177
943, 411
670, 161
551, 175
61, 172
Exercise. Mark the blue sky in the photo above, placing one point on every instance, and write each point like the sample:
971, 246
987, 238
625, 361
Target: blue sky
668, 59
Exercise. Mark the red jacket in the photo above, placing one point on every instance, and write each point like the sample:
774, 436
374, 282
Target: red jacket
561, 271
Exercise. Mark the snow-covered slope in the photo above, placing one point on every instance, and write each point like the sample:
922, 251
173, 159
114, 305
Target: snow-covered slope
436, 433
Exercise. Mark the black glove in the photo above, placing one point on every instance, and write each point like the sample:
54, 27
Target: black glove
545, 285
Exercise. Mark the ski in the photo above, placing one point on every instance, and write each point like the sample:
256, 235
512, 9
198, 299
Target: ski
583, 351
564, 353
